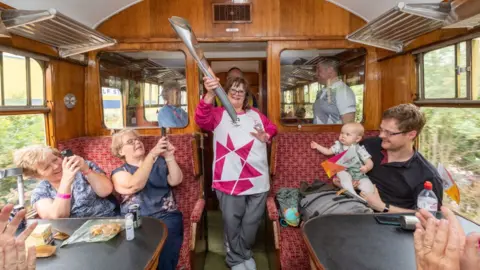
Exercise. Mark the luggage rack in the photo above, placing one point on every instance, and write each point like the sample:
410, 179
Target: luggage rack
394, 29
53, 28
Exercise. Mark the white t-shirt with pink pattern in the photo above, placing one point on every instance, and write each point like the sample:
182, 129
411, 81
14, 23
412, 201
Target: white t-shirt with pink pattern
240, 164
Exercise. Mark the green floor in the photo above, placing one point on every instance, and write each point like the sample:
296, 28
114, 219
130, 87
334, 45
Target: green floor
216, 254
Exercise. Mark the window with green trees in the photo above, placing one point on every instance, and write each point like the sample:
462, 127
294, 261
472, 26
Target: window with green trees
22, 89
451, 75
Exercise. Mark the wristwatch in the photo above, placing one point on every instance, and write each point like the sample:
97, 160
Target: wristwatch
386, 208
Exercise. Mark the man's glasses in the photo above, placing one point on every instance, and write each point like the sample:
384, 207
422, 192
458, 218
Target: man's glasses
389, 133
131, 141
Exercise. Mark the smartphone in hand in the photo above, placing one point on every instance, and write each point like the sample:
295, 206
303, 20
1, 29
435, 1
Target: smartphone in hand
66, 153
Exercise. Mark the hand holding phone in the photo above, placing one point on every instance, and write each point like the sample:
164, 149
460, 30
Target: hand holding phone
66, 153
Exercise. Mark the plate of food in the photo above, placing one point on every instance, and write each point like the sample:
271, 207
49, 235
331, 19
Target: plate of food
98, 230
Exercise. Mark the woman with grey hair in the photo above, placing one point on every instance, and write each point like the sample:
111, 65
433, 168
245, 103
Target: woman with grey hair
171, 115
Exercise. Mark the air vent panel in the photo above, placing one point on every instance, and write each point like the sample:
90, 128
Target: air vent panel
232, 13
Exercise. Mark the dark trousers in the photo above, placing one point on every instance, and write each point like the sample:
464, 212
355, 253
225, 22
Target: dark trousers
171, 249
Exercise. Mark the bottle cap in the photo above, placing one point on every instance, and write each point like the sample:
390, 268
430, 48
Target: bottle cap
427, 185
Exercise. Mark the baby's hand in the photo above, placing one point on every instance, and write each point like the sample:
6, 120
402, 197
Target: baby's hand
314, 145
364, 169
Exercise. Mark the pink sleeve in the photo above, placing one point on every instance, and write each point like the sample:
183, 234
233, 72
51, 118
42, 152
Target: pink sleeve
207, 117
269, 127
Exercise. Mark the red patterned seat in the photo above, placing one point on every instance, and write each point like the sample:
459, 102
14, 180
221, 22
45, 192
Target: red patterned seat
188, 195
294, 161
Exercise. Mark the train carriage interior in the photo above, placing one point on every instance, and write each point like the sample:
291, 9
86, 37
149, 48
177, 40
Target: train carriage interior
75, 73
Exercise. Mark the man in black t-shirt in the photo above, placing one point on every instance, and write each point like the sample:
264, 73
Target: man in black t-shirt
399, 171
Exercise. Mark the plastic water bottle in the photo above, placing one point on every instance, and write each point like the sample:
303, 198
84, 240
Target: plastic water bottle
129, 230
427, 198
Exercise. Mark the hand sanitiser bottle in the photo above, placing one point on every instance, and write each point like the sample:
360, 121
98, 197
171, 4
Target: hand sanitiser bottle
129, 230
427, 198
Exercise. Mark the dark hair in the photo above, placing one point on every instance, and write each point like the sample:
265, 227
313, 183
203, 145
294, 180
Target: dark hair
240, 81
234, 68
408, 116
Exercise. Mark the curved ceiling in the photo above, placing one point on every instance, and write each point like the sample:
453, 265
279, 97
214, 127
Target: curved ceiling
94, 12
89, 12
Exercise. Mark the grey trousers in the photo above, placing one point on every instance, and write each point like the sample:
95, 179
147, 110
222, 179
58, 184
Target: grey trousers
241, 216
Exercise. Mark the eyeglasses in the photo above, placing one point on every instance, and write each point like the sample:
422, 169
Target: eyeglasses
389, 133
131, 141
238, 92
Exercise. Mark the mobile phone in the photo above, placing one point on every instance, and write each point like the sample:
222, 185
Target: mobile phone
388, 219
66, 153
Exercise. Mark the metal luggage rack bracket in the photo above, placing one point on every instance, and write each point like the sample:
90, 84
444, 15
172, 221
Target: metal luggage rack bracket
53, 28
394, 29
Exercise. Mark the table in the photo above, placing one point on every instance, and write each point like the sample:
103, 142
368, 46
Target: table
359, 242
118, 253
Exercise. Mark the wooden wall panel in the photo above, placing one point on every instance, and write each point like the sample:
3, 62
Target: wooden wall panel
271, 20
133, 22
68, 78
372, 86
398, 81
93, 111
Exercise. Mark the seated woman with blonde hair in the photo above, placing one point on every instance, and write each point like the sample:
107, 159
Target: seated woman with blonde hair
146, 180
69, 187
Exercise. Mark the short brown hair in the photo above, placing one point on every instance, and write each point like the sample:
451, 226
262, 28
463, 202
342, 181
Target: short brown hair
29, 157
240, 81
408, 116
117, 142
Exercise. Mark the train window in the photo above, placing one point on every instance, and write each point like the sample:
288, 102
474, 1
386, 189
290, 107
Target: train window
322, 86
23, 81
449, 74
144, 89
18, 131
452, 137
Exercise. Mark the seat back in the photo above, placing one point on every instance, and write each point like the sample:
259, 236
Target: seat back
97, 149
293, 161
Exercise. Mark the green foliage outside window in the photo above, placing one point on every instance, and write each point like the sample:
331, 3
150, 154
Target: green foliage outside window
16, 132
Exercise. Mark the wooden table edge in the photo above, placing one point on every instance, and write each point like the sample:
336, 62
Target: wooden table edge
156, 254
153, 263
313, 258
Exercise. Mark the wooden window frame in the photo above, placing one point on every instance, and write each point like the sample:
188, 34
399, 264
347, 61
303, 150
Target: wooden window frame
28, 108
472, 64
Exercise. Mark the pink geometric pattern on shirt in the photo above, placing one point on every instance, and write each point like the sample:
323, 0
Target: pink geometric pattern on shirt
221, 151
217, 174
249, 171
244, 151
230, 143
239, 185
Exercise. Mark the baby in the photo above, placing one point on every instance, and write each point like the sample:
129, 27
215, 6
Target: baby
350, 135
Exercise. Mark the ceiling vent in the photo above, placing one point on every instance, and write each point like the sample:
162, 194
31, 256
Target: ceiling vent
397, 27
464, 14
53, 28
232, 12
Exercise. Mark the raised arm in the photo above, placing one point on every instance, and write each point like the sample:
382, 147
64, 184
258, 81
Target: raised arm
48, 208
206, 116
96, 177
126, 183
175, 175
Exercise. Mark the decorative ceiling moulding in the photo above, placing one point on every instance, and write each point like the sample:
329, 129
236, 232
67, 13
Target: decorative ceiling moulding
53, 28
394, 29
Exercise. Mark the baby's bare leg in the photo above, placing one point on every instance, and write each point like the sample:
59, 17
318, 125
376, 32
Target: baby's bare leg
366, 185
